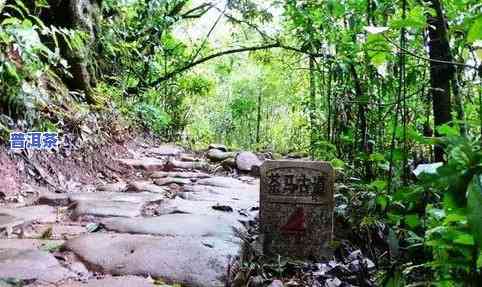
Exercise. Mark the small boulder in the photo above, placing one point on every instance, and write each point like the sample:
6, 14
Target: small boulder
147, 163
166, 150
246, 160
220, 147
189, 165
219, 155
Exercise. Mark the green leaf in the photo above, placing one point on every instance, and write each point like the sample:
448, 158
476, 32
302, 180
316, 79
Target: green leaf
464, 239
479, 260
337, 164
415, 19
393, 218
336, 8
10, 21
475, 31
455, 218
474, 206
377, 46
379, 185
21, 5
382, 201
412, 220
377, 157
12, 70
447, 130
378, 59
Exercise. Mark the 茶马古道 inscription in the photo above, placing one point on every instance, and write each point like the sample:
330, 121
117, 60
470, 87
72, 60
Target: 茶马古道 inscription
296, 208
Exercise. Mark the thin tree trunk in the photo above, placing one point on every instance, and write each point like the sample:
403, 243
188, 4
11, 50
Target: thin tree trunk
312, 105
258, 120
441, 74
459, 102
328, 100
362, 121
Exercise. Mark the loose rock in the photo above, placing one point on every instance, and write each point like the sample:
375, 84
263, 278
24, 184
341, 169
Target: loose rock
219, 155
175, 164
148, 163
246, 160
220, 147
166, 150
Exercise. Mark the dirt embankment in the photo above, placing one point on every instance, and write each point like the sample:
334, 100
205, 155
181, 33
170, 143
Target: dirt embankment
10, 176
66, 170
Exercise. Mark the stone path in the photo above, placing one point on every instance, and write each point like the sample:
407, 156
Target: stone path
176, 226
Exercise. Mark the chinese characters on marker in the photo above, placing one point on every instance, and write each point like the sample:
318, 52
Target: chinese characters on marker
294, 184
33, 140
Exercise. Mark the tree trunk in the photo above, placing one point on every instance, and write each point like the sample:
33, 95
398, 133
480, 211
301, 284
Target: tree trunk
258, 121
362, 125
328, 100
82, 15
312, 106
459, 101
441, 74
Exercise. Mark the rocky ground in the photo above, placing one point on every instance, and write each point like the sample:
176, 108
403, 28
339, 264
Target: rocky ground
172, 219
145, 214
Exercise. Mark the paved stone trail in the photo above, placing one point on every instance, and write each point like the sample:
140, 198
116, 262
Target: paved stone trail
125, 233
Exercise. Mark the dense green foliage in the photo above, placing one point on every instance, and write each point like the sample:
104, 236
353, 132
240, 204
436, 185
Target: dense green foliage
26, 60
338, 86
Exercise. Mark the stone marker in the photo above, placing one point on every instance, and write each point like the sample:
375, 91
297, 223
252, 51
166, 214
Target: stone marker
296, 208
